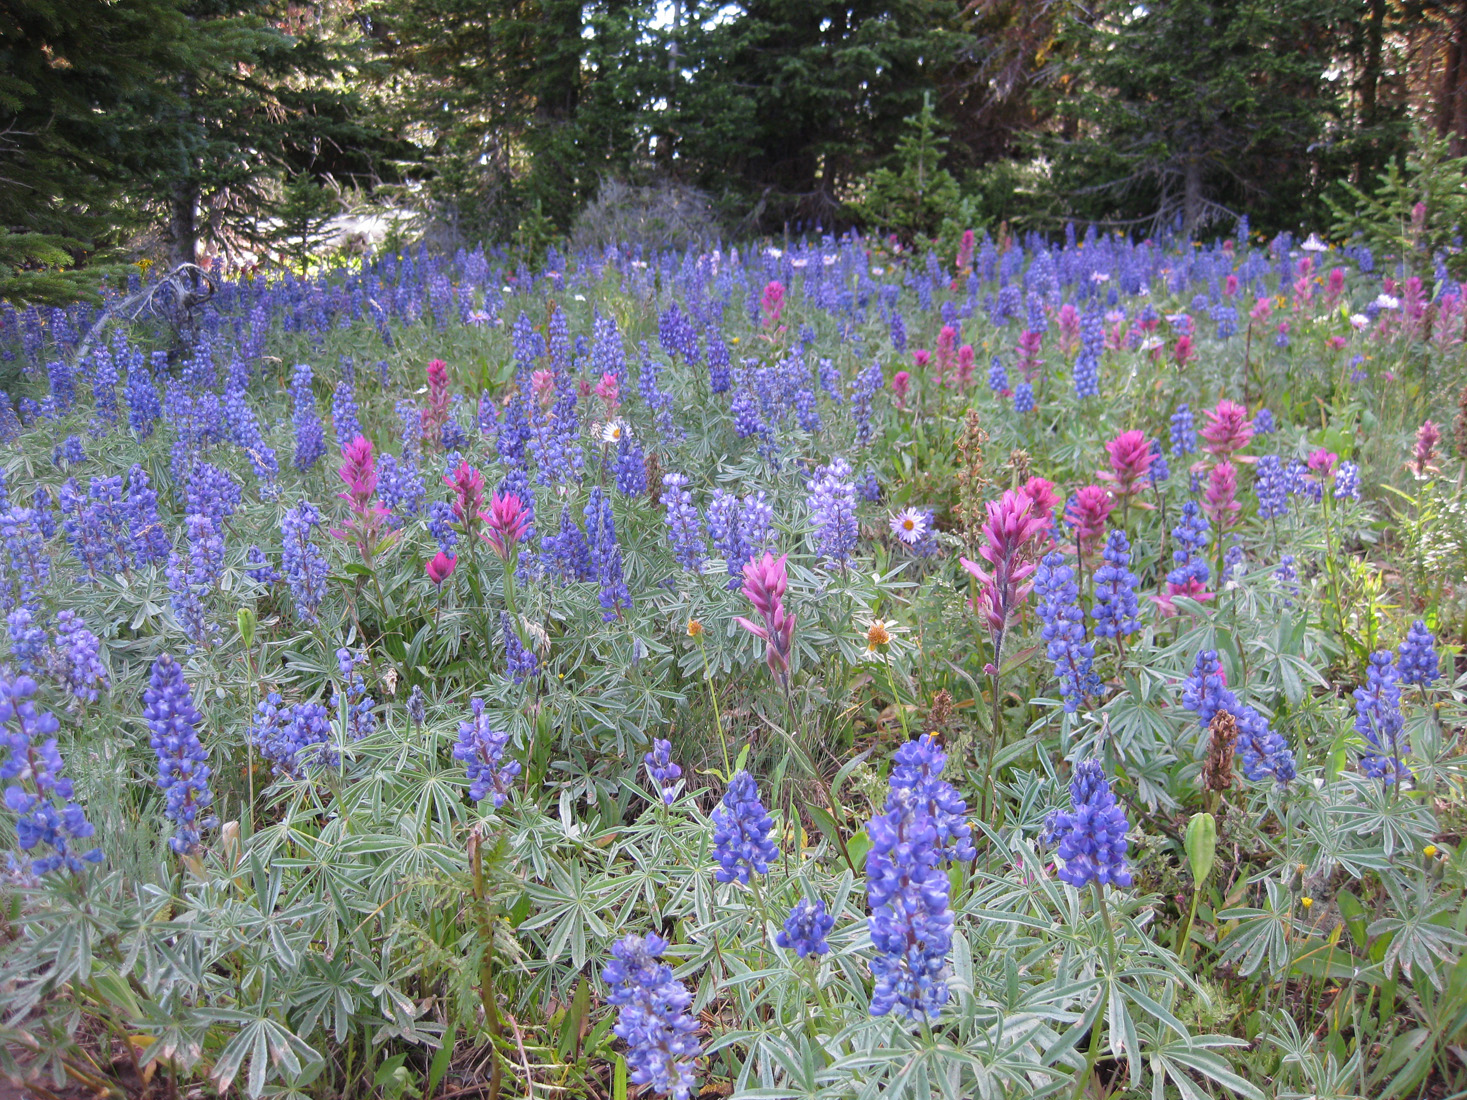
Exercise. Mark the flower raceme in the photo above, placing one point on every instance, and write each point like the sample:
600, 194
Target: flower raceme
1227, 430
1130, 463
765, 581
368, 517
468, 499
1092, 835
743, 842
507, 521
652, 1016
1087, 513
441, 567
1013, 524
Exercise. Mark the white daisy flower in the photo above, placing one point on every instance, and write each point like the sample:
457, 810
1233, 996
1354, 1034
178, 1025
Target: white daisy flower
613, 430
1385, 301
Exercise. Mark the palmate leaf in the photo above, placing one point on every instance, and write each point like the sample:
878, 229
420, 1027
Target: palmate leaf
1421, 933
271, 1048
1261, 935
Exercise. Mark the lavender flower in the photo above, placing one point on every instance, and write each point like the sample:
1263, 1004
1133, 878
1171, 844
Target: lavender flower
354, 707
344, 418
917, 767
567, 555
1064, 631
1205, 691
606, 556
28, 640
1271, 483
291, 738
310, 440
910, 923
684, 530
805, 929
1347, 482
1263, 422
150, 542
652, 1016
417, 706
868, 486
1184, 431
1115, 608
521, 663
1264, 751
76, 658
70, 453
665, 775
303, 564
832, 504
400, 488
1378, 719
1092, 836
742, 840
482, 747
630, 468
183, 768
1419, 662
37, 765
1023, 398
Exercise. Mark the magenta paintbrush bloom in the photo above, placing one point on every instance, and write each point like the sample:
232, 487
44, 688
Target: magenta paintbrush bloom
1228, 429
1029, 362
765, 581
1130, 462
1184, 351
1087, 513
468, 489
507, 519
1427, 437
359, 471
1219, 502
1322, 464
773, 302
1012, 527
441, 567
436, 414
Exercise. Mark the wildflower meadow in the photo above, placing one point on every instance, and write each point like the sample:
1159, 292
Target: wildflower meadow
818, 669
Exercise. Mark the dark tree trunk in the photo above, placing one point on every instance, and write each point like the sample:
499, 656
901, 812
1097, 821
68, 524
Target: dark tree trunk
183, 223
1191, 194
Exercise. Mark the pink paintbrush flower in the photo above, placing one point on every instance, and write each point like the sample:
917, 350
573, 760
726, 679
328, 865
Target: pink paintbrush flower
1219, 502
772, 304
441, 567
1009, 533
1087, 513
1227, 430
765, 581
1130, 462
1427, 437
507, 521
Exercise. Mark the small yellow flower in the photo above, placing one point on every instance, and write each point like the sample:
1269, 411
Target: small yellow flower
1429, 851
695, 628
1306, 902
877, 635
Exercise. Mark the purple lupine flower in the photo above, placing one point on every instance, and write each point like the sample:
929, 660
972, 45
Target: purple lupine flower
29, 566
70, 453
743, 841
868, 486
864, 387
1064, 631
684, 529
1161, 469
1378, 719
606, 556
998, 377
35, 765
1347, 482
910, 923
832, 504
917, 767
805, 929
193, 574
1263, 422
258, 567
183, 768
344, 413
521, 662
665, 775
1205, 691
1024, 398
291, 738
567, 555
1184, 431
652, 1016
1190, 575
1115, 607
1087, 363
630, 467
481, 748
441, 525
76, 658
310, 440
417, 706
1092, 835
719, 377
150, 541
301, 561
1265, 752
1419, 662
354, 707
212, 492
28, 640
1271, 484
143, 407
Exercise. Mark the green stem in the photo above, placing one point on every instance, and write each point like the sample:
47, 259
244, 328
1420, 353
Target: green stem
1186, 942
486, 964
717, 718
896, 699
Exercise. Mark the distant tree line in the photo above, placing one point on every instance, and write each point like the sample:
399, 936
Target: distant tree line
188, 121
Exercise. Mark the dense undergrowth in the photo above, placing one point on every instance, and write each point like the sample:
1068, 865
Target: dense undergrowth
415, 635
